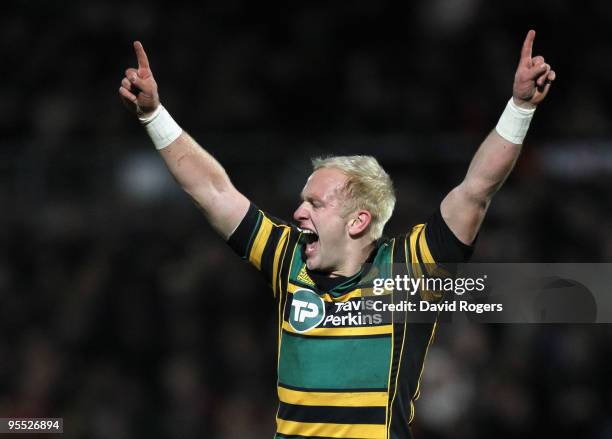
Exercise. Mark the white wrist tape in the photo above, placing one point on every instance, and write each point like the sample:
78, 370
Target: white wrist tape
514, 123
160, 126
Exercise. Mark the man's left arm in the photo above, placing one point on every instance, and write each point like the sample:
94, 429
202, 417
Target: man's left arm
464, 208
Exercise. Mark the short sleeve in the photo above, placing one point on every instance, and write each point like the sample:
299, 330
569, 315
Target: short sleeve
444, 246
432, 250
262, 241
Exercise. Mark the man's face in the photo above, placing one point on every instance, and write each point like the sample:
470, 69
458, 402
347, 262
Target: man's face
320, 217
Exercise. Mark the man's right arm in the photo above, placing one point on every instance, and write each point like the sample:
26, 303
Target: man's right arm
202, 177
198, 173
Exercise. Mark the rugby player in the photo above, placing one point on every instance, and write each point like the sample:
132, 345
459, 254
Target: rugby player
342, 372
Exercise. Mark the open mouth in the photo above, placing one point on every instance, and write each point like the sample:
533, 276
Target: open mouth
311, 240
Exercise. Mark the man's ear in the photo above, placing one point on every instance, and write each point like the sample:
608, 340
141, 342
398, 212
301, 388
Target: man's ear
359, 223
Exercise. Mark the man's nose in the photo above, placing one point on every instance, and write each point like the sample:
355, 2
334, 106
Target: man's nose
301, 213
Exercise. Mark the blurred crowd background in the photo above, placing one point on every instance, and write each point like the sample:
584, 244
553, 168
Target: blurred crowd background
122, 312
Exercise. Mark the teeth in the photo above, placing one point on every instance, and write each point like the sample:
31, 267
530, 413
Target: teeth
306, 231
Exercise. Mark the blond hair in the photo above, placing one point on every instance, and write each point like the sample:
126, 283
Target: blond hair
368, 187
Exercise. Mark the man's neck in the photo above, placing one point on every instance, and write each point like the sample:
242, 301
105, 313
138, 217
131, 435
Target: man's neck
354, 261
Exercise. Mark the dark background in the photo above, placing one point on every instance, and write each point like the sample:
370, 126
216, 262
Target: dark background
124, 314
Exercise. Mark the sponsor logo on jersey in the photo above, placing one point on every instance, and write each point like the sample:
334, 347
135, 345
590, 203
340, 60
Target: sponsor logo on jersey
307, 310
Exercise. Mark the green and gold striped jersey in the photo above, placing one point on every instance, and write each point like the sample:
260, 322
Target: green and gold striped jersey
349, 364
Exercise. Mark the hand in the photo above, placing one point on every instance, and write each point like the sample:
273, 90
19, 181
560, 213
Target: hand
138, 89
533, 77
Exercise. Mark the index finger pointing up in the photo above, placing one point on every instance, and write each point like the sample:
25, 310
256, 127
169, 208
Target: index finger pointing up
527, 46
141, 56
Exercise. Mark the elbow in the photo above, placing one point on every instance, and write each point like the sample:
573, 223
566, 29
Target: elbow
478, 192
207, 187
196, 174
210, 195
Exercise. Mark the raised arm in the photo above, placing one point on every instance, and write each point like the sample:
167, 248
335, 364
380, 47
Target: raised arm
198, 173
464, 208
